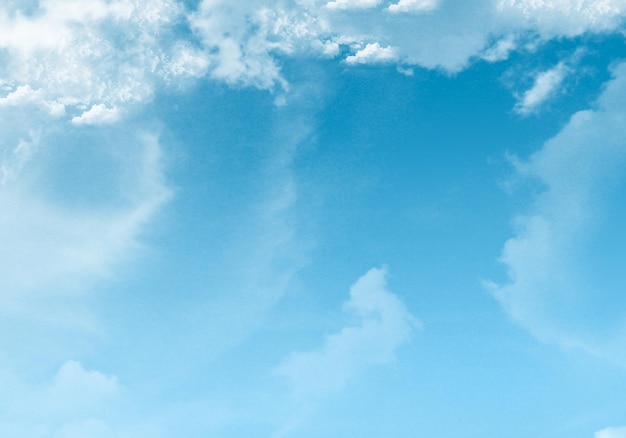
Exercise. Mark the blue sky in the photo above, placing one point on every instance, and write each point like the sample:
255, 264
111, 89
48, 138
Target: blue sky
312, 218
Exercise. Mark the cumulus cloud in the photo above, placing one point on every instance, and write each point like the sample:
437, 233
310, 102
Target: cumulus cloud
97, 114
611, 432
556, 290
74, 58
384, 324
245, 43
546, 84
111, 54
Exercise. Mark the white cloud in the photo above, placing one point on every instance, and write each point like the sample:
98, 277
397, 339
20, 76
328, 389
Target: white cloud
413, 6
68, 55
97, 114
373, 53
500, 50
546, 84
186, 62
353, 4
384, 324
564, 17
22, 94
557, 290
76, 390
245, 42
611, 432
242, 41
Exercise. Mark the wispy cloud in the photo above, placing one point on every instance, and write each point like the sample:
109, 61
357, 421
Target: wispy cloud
51, 251
75, 402
383, 325
546, 84
611, 432
500, 50
552, 287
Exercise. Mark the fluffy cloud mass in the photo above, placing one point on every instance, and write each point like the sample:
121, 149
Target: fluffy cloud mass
95, 59
84, 60
246, 42
69, 64
384, 324
556, 288
554, 17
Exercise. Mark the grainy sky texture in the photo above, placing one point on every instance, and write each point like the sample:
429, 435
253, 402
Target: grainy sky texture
304, 218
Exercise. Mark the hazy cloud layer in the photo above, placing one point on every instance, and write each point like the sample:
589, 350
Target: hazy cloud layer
76, 402
52, 246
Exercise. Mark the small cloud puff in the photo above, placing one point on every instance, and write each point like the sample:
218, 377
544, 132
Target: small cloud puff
373, 53
546, 84
97, 115
384, 325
